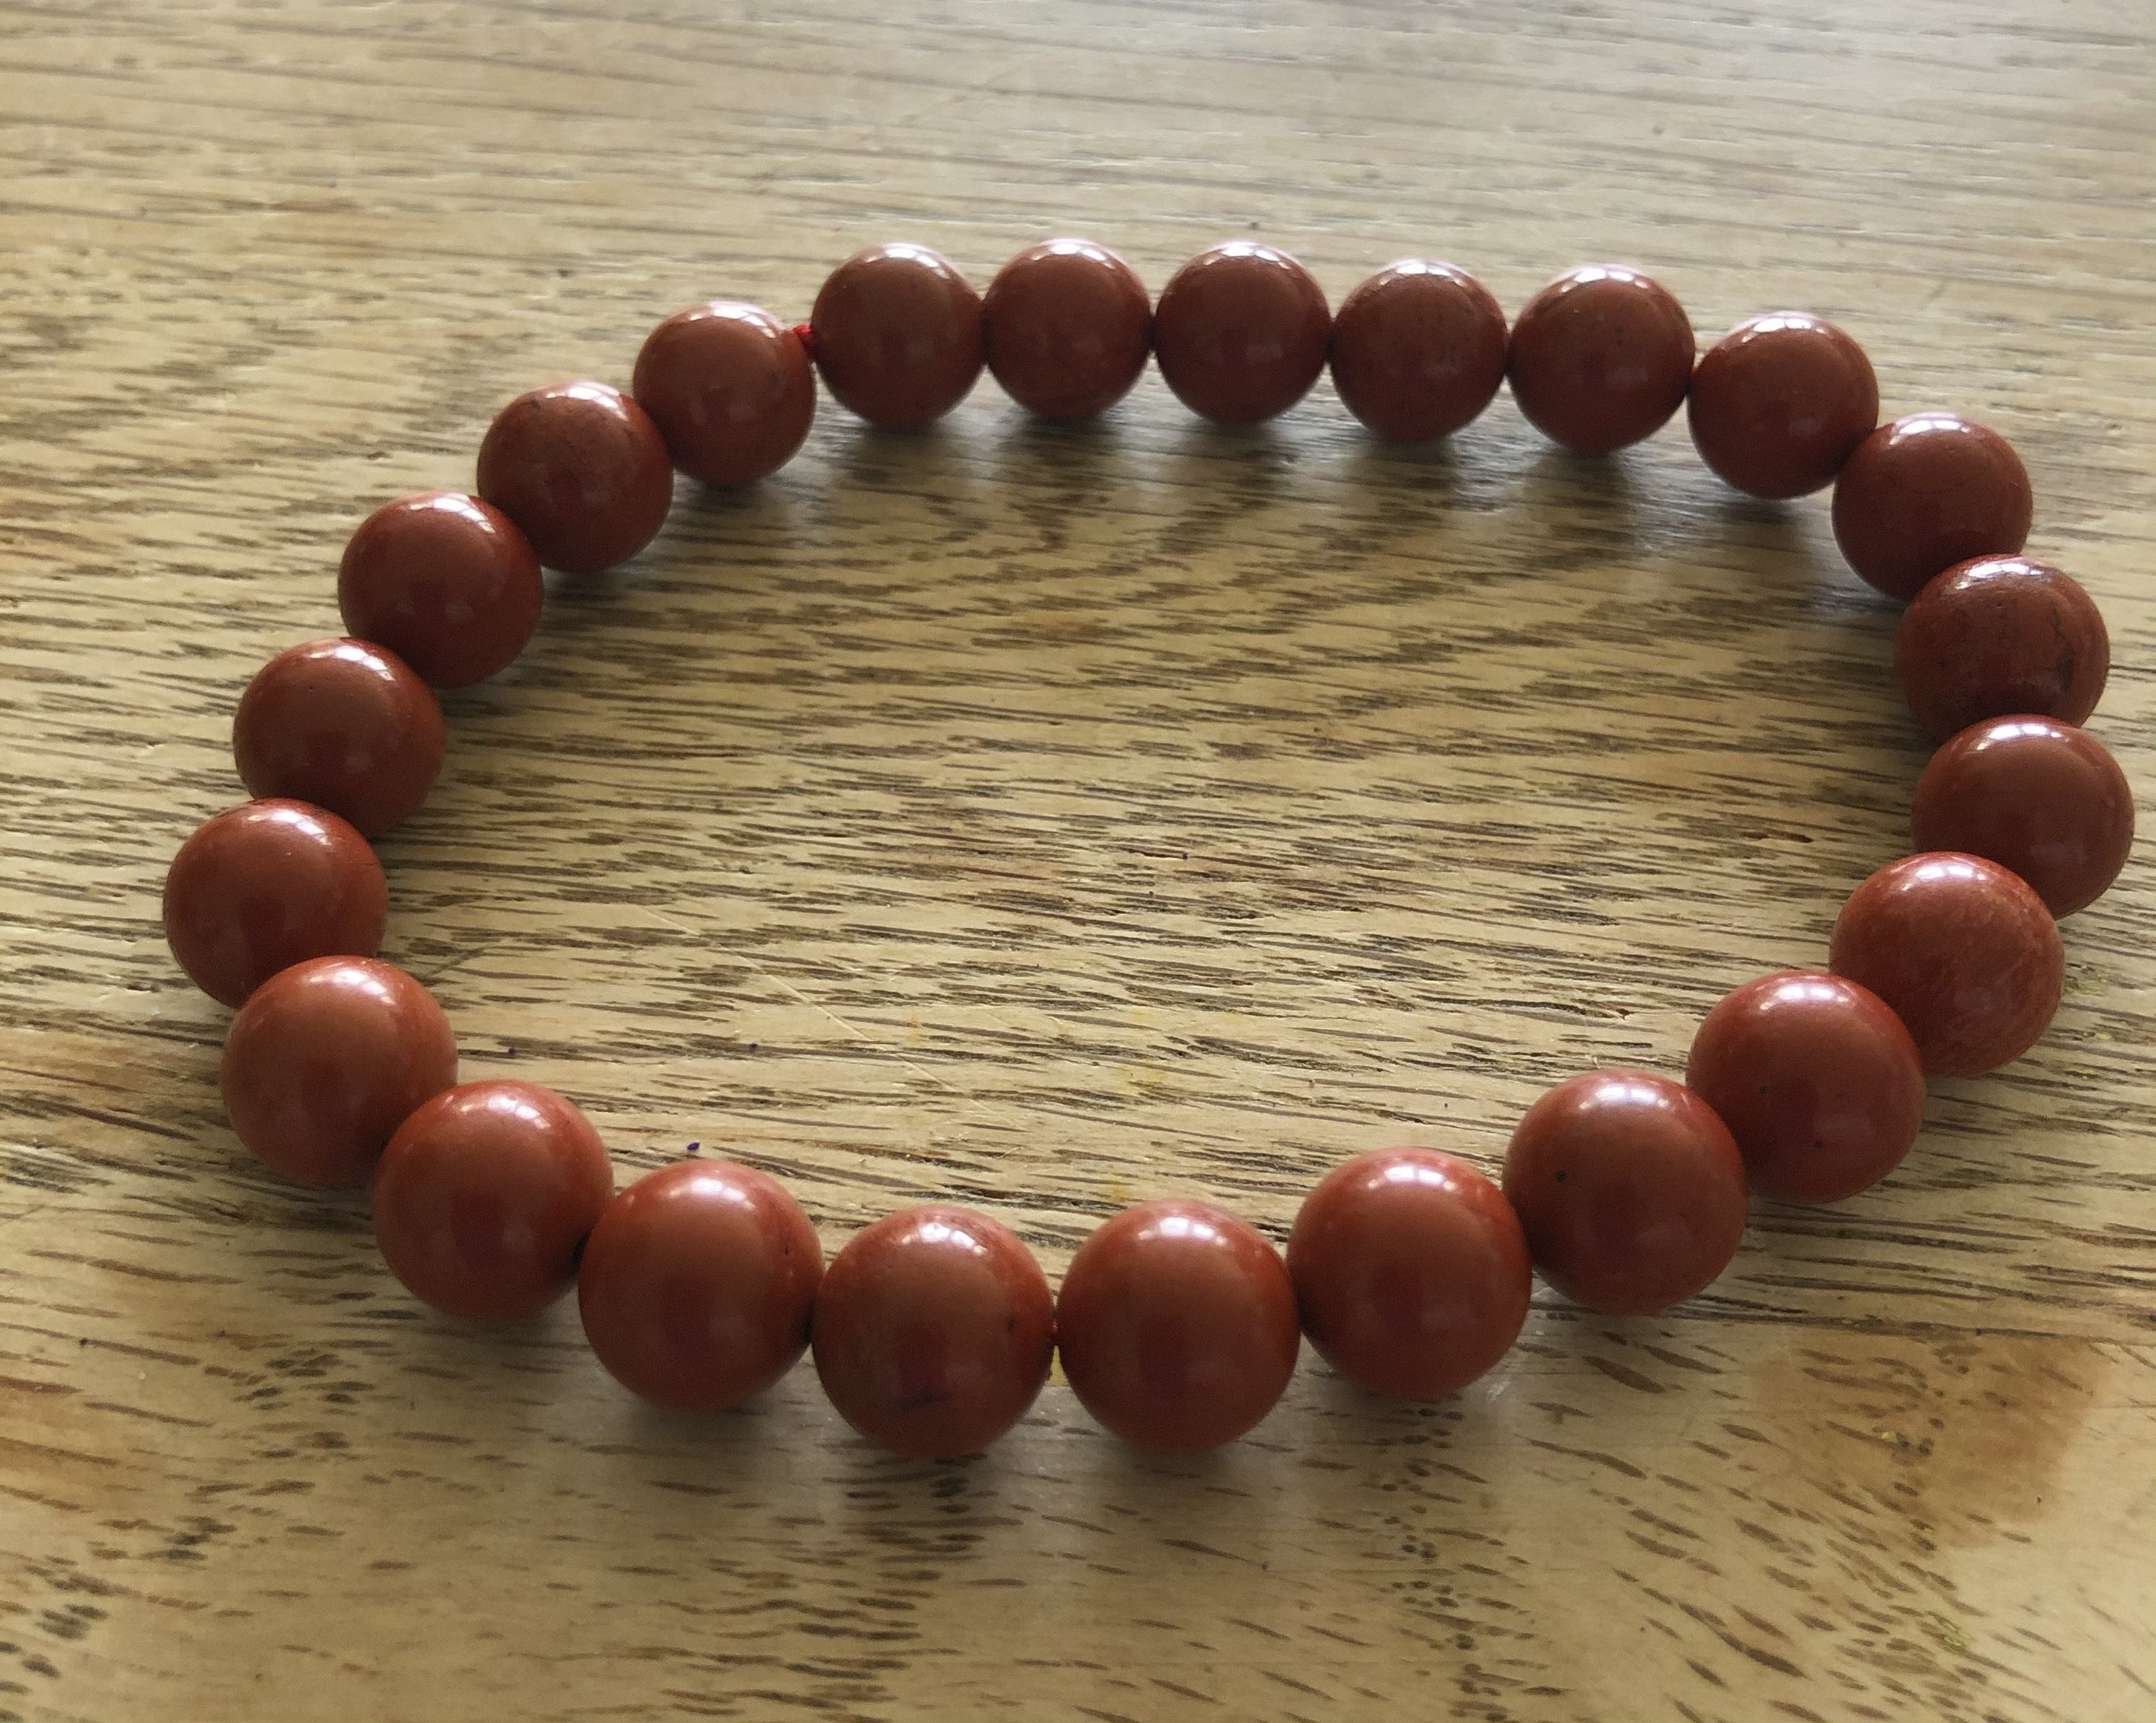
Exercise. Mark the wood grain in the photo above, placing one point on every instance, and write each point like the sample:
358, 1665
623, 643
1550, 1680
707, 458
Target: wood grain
1044, 819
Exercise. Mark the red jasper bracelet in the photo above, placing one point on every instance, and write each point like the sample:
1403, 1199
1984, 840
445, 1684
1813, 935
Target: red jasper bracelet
1178, 1325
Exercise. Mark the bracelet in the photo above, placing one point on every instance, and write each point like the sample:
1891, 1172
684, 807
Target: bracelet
1178, 1325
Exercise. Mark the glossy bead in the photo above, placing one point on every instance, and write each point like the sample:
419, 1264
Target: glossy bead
1066, 325
897, 336
1241, 332
696, 1284
933, 1331
344, 724
1780, 403
1961, 950
1996, 636
444, 581
731, 389
326, 1059
1629, 1189
1410, 1270
1817, 1081
1925, 493
2041, 798
1418, 349
268, 884
485, 1196
1600, 359
1177, 1325
581, 470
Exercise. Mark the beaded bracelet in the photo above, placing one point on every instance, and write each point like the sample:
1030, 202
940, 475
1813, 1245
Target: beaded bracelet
1178, 1325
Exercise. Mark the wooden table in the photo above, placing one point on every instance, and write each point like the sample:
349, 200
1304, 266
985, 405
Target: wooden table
1042, 819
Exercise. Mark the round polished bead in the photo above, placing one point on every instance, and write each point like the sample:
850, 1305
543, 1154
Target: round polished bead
1925, 493
1177, 1325
2000, 636
1818, 1082
933, 1331
1780, 403
344, 724
731, 389
326, 1059
897, 336
1410, 1270
1961, 950
1600, 359
1067, 325
485, 1197
268, 884
1629, 1189
696, 1284
1241, 332
2041, 798
444, 581
1418, 349
582, 472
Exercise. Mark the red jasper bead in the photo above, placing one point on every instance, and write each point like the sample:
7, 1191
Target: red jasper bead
268, 884
1418, 349
1066, 325
485, 1196
582, 472
1629, 1189
1600, 359
1241, 332
1961, 950
445, 582
696, 1284
731, 389
1818, 1082
2038, 797
344, 724
897, 336
1925, 493
326, 1059
1780, 403
1177, 1325
1411, 1272
2000, 636
933, 1331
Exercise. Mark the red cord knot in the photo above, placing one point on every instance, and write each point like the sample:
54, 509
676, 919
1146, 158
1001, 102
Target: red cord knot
806, 336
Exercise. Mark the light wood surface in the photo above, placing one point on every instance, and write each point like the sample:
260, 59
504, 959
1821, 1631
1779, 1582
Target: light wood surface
1045, 818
